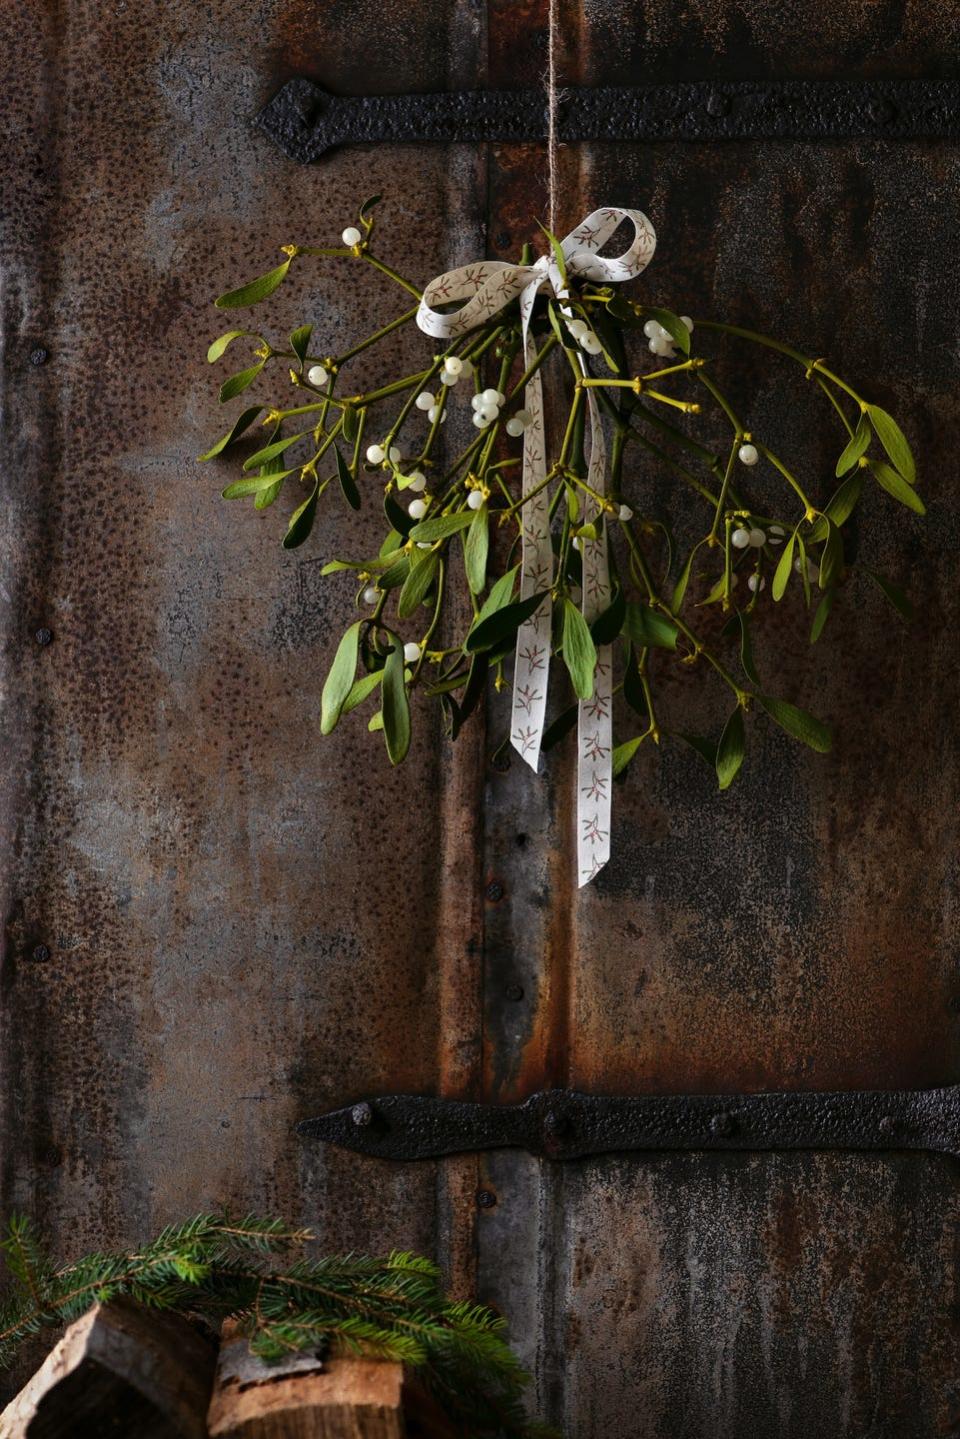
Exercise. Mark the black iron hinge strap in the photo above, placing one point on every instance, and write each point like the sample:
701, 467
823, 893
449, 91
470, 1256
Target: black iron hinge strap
305, 121
562, 1124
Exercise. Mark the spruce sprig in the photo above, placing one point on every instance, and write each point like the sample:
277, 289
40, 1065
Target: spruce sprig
253, 1271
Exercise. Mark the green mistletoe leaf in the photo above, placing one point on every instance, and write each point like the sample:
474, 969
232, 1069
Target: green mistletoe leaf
253, 485
704, 747
609, 622
647, 627
781, 574
339, 681
255, 290
731, 749
243, 422
895, 485
893, 593
502, 624
856, 446
442, 526
270, 452
396, 706
822, 615
894, 441
623, 754
798, 723
423, 572
475, 550
561, 726
219, 346
301, 521
579, 651
299, 341
347, 483
239, 382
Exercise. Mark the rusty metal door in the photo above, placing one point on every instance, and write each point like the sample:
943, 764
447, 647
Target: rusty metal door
216, 925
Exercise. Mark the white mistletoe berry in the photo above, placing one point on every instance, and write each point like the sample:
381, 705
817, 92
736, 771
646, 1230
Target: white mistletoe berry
453, 365
351, 236
411, 652
317, 375
417, 509
756, 582
740, 539
417, 481
591, 344
514, 427
448, 378
396, 455
433, 412
370, 595
426, 401
757, 539
475, 499
749, 454
376, 454
625, 513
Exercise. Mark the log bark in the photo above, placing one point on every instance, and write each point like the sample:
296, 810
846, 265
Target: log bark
120, 1370
345, 1399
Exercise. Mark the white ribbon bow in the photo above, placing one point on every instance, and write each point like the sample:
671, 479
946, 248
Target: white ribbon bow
488, 287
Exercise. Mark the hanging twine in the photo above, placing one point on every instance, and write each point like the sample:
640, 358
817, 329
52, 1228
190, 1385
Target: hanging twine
552, 98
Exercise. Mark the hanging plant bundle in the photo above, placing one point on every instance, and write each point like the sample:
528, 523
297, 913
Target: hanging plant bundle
499, 554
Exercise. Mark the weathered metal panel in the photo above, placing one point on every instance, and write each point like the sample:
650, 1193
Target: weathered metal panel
226, 944
245, 926
797, 932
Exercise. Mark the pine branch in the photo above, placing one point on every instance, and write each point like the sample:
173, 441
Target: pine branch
213, 1267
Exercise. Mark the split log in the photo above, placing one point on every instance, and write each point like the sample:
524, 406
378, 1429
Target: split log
122, 1370
304, 1399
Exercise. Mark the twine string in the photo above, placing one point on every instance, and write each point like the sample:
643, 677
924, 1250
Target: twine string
552, 97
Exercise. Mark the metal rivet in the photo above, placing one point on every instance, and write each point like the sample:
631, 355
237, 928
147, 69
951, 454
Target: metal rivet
41, 952
723, 1125
514, 991
362, 1115
39, 355
43, 636
717, 104
557, 1123
486, 1198
494, 891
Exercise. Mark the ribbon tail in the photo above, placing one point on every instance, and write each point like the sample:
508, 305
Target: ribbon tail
595, 715
532, 660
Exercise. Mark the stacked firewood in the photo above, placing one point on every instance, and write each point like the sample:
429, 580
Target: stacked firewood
126, 1370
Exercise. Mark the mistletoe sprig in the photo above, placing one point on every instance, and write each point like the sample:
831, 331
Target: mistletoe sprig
214, 1267
439, 599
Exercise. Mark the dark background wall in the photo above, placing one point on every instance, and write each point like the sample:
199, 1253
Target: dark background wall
247, 925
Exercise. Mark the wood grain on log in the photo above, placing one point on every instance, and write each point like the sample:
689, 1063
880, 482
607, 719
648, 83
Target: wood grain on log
120, 1370
348, 1399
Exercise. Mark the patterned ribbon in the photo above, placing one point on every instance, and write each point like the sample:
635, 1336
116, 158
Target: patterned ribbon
487, 288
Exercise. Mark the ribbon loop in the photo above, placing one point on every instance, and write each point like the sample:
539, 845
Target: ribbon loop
486, 288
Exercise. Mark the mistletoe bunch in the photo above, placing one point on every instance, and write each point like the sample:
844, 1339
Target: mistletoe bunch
439, 598
213, 1267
